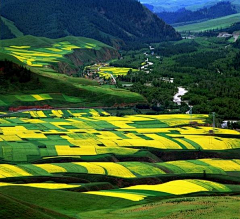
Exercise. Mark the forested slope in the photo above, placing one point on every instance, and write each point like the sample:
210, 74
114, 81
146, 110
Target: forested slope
104, 20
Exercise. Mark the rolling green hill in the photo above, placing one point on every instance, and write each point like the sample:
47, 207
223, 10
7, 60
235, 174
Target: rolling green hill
218, 23
22, 203
177, 208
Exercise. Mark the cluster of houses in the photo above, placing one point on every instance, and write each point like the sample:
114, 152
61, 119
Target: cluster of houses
92, 72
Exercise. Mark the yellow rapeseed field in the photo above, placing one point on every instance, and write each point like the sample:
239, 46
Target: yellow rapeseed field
107, 71
38, 57
7, 170
20, 47
64, 150
51, 168
10, 138
43, 185
226, 165
211, 186
178, 187
189, 167
209, 142
41, 114
186, 144
94, 113
57, 113
92, 168
114, 169
131, 197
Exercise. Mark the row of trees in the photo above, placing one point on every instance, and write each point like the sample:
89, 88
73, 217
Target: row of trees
14, 77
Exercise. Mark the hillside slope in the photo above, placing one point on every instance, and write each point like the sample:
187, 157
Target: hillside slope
8, 29
18, 85
5, 31
73, 51
104, 20
46, 58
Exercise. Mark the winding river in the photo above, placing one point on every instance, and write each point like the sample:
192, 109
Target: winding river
177, 97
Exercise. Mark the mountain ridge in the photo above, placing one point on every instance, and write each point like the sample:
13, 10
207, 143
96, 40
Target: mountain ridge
101, 20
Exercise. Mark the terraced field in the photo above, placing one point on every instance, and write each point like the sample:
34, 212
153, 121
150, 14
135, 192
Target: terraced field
39, 52
123, 161
125, 169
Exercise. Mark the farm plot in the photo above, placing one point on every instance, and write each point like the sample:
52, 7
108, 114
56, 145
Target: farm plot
43, 185
173, 188
34, 99
124, 169
36, 135
115, 71
45, 151
63, 113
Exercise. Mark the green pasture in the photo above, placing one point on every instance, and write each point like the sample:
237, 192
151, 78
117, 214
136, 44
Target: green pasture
200, 207
84, 205
217, 23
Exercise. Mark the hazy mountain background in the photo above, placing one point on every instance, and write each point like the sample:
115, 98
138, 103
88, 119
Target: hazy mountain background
174, 5
220, 9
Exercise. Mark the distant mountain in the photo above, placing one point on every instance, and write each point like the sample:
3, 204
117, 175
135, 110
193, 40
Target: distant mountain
174, 5
221, 9
105, 20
